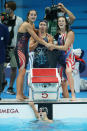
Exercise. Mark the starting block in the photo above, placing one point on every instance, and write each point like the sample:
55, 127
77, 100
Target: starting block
44, 84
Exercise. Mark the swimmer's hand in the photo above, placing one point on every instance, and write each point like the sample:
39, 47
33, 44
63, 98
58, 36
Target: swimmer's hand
31, 104
50, 46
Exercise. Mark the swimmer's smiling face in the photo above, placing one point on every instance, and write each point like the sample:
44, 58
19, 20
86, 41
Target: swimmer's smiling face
32, 16
62, 23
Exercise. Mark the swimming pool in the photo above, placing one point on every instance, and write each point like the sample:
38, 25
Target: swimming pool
70, 124
20, 117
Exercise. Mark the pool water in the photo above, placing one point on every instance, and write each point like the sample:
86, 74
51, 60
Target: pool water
70, 124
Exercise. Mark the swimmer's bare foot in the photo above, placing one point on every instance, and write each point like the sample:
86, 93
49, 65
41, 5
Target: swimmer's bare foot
20, 98
25, 97
73, 98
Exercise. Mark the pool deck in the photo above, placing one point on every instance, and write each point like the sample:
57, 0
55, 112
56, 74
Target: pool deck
60, 101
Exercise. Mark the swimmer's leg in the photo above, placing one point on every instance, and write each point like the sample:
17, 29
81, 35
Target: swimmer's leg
20, 80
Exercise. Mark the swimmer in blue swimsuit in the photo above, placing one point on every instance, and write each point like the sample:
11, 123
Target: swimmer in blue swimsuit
40, 59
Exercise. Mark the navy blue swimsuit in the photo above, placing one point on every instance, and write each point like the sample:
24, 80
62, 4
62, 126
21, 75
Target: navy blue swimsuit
40, 56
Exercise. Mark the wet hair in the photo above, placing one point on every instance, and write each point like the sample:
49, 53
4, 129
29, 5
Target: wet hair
44, 109
44, 21
11, 5
46, 24
29, 13
67, 23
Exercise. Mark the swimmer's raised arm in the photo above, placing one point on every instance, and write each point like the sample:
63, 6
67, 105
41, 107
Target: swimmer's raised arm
68, 12
34, 109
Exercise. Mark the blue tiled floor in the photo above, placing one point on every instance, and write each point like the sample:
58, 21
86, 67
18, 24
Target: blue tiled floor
26, 90
8, 96
5, 95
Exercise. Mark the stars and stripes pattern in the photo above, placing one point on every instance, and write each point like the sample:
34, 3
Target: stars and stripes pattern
22, 59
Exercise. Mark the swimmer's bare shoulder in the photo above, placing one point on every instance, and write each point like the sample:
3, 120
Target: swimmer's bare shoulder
24, 26
46, 118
